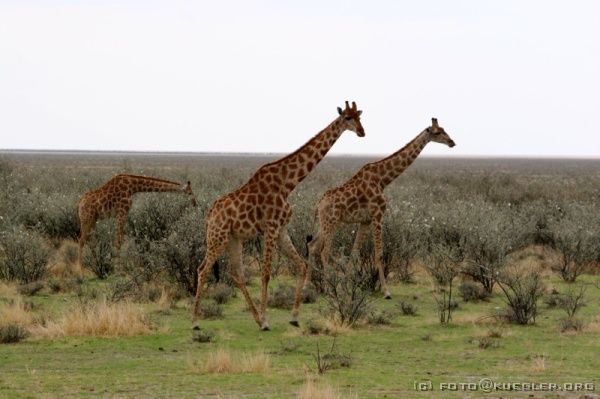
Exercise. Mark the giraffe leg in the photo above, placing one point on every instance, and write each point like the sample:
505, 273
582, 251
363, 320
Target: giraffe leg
314, 247
269, 245
235, 257
359, 240
377, 238
212, 252
288, 249
327, 238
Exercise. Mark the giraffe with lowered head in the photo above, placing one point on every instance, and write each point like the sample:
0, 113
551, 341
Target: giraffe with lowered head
114, 198
260, 207
361, 200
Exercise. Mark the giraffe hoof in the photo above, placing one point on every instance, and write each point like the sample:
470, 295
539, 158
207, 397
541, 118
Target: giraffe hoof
196, 328
295, 323
265, 328
388, 295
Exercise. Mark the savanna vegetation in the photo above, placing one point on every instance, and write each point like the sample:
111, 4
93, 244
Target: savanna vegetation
493, 266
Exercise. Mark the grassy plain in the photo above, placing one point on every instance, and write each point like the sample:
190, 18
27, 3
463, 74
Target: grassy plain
385, 360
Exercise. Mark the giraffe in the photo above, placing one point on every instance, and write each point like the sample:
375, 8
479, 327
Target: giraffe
114, 198
260, 207
361, 200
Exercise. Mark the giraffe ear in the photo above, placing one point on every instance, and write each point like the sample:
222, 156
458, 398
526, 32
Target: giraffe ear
340, 111
360, 113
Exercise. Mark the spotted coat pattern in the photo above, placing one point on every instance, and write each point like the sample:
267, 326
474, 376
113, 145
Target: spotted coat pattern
361, 200
260, 207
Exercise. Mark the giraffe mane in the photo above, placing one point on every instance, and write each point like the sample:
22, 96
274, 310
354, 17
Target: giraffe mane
399, 151
156, 179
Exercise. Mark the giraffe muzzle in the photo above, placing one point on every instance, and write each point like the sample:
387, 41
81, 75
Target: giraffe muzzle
451, 144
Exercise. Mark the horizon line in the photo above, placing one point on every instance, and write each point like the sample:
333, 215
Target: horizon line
241, 153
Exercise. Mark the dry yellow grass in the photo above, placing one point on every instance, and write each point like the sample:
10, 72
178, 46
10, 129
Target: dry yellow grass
15, 312
100, 318
539, 364
316, 390
222, 361
64, 263
8, 290
334, 327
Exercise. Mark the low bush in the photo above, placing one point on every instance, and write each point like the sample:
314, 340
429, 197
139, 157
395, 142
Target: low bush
408, 308
54, 214
522, 291
282, 297
380, 318
220, 293
347, 295
12, 333
471, 291
23, 256
577, 241
98, 251
211, 310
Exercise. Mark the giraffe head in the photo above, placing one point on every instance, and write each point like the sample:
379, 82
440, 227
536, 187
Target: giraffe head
188, 190
438, 134
350, 117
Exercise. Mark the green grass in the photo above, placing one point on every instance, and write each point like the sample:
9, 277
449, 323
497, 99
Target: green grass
387, 360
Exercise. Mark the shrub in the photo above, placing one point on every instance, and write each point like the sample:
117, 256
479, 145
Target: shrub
182, 251
572, 301
23, 256
282, 297
471, 291
53, 214
203, 336
97, 253
571, 324
487, 343
553, 300
211, 310
402, 243
153, 215
346, 294
315, 327
377, 317
408, 308
12, 333
443, 263
576, 240
31, 289
522, 290
332, 359
492, 235
220, 293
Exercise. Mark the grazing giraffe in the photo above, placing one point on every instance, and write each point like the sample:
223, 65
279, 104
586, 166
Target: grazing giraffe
361, 200
260, 207
114, 198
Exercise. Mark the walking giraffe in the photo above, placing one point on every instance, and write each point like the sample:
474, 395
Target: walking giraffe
260, 207
361, 200
114, 198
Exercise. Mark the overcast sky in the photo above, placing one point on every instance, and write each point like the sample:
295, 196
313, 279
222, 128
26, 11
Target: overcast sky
507, 77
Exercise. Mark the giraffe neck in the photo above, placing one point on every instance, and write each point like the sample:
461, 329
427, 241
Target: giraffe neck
144, 184
392, 166
294, 168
